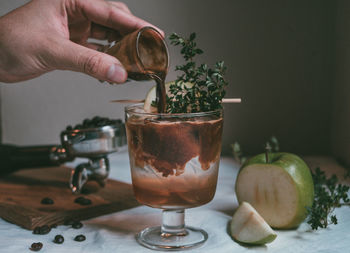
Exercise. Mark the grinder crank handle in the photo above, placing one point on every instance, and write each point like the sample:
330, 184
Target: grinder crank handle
13, 158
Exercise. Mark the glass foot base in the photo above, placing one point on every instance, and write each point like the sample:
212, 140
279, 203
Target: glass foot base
151, 238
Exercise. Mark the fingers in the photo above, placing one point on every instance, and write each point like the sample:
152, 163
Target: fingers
71, 56
104, 33
78, 32
121, 6
112, 15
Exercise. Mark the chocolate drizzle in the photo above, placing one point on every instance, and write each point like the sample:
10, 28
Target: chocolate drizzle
168, 146
160, 91
174, 161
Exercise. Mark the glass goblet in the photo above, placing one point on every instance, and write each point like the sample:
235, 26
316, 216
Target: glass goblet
174, 160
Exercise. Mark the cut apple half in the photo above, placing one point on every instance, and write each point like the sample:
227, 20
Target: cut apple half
247, 226
280, 190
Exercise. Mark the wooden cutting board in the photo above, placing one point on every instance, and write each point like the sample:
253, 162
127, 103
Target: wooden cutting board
21, 194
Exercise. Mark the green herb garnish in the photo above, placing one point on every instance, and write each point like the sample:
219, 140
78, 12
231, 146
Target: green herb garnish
240, 157
208, 84
274, 144
328, 196
346, 166
238, 154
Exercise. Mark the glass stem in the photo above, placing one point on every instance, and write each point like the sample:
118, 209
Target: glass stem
173, 223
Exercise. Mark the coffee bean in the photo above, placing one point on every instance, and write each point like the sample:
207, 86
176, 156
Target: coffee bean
96, 119
79, 199
36, 246
77, 225
87, 123
86, 202
47, 201
59, 239
83, 201
102, 123
36, 231
80, 238
45, 230
94, 123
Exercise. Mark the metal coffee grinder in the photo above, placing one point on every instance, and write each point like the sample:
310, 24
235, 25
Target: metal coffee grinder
92, 142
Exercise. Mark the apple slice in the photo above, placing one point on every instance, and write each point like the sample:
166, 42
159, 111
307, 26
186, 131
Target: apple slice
151, 96
280, 189
248, 226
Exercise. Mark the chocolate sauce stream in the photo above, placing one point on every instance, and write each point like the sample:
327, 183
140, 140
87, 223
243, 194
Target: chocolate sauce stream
160, 91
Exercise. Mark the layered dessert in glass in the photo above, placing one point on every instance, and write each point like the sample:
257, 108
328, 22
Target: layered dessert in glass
174, 158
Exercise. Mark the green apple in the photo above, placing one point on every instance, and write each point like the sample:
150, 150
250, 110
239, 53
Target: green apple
280, 189
151, 96
248, 226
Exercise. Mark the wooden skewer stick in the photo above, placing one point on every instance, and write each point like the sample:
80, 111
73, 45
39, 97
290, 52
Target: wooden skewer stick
126, 101
231, 100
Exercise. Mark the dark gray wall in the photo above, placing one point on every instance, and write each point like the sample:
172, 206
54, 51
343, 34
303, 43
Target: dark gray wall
280, 61
341, 109
0, 118
280, 58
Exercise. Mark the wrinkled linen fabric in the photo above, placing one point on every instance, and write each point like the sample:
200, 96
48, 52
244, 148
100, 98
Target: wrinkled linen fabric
116, 232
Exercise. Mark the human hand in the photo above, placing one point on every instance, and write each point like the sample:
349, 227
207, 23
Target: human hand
42, 36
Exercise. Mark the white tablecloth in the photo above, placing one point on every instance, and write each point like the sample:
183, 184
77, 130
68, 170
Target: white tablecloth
115, 232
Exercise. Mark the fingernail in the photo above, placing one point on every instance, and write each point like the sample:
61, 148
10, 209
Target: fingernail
116, 73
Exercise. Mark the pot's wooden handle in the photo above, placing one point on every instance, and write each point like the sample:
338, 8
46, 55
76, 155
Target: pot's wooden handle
13, 158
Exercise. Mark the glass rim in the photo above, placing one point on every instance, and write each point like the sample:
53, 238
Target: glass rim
139, 33
131, 109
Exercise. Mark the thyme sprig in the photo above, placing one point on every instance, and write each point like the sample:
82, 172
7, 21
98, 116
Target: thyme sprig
238, 154
209, 84
329, 194
240, 157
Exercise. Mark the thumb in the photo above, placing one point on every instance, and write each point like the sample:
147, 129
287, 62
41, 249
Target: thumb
75, 57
